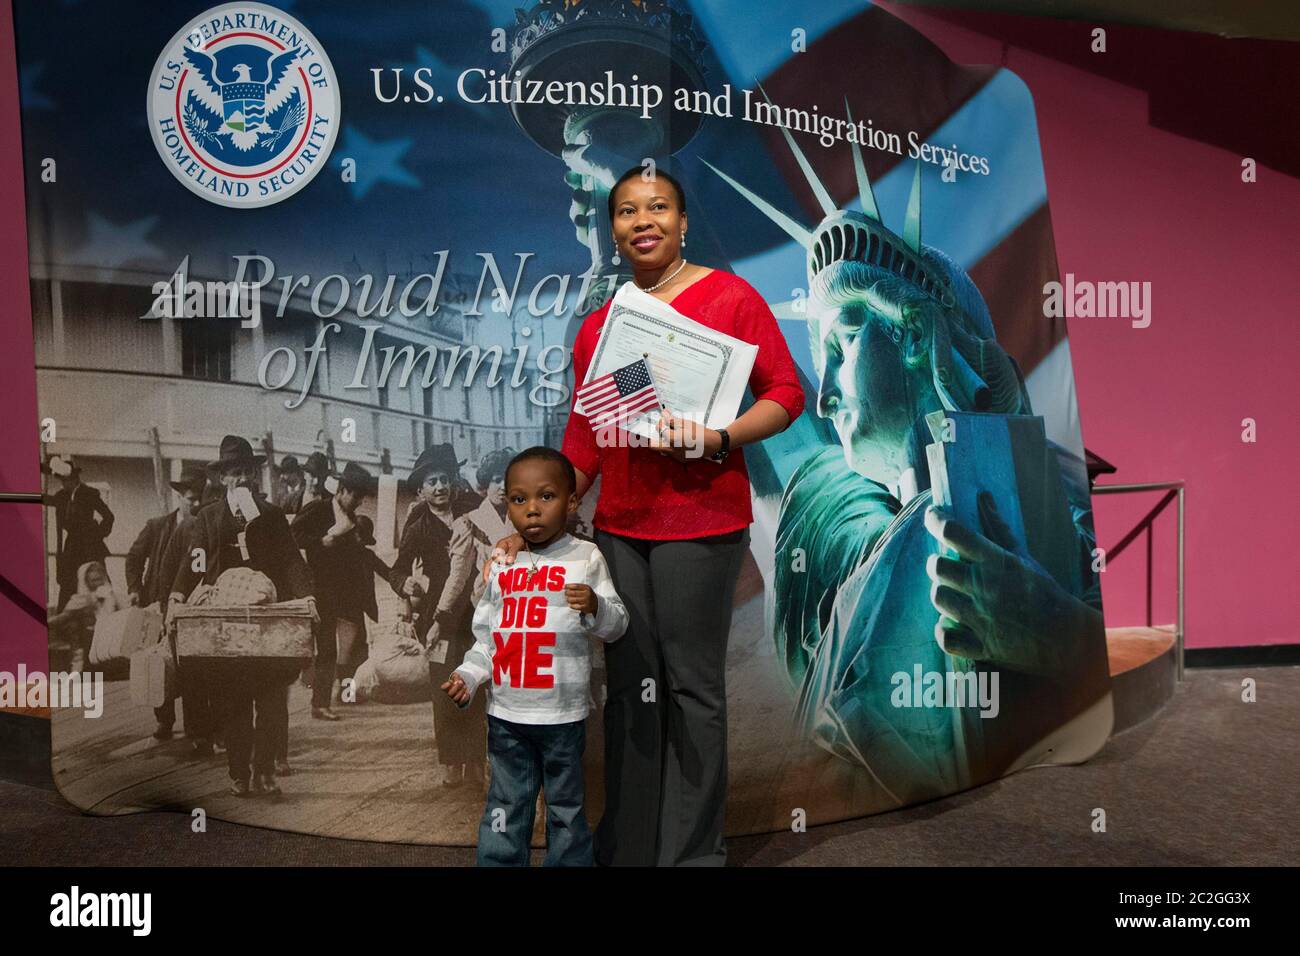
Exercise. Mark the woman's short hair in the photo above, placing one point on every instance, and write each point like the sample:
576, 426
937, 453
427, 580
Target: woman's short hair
659, 173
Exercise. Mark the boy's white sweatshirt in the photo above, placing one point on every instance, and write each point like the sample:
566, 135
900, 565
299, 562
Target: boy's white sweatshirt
531, 649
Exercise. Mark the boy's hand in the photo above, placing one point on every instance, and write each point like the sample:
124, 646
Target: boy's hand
581, 598
456, 690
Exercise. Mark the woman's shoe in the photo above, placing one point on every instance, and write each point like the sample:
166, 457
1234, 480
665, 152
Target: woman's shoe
264, 785
240, 788
323, 713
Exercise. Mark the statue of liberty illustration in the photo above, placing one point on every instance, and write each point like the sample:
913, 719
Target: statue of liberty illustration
889, 584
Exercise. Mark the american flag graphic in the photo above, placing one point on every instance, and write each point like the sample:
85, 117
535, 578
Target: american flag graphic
618, 396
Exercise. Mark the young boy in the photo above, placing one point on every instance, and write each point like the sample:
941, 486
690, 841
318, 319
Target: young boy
531, 628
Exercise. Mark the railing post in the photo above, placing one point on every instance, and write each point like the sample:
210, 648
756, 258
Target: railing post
1150, 573
1178, 636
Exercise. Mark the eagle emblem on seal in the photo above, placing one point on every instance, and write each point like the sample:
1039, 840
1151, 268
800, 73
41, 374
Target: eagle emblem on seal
244, 109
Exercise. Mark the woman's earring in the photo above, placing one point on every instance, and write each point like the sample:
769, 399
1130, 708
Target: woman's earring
683, 240
616, 260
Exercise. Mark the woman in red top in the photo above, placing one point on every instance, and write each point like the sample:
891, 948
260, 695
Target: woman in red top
673, 528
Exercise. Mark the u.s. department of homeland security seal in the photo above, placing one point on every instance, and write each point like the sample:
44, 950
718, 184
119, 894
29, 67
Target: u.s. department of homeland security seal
244, 105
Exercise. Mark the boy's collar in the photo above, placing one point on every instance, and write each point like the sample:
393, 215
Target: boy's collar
544, 548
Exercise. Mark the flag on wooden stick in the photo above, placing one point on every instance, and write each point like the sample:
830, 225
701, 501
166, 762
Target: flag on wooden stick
618, 396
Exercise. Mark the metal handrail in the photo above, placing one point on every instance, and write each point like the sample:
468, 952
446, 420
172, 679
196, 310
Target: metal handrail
1179, 489
15, 594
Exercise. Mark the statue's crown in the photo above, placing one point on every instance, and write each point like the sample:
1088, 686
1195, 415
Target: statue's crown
847, 235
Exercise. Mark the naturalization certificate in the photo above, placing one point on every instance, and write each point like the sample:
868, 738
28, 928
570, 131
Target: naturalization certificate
699, 373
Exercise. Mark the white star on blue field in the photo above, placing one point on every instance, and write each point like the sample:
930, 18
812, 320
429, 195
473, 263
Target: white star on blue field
109, 244
378, 161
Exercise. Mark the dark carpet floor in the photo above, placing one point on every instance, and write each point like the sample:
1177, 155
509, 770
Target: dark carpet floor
1209, 780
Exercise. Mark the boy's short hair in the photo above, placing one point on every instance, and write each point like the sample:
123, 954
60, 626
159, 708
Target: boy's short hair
543, 453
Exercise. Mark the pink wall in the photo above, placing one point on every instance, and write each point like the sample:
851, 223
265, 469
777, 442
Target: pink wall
21, 551
1130, 202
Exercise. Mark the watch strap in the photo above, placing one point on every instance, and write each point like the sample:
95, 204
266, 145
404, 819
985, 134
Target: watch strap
725, 450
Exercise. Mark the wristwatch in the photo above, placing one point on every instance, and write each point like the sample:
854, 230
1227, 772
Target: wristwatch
722, 452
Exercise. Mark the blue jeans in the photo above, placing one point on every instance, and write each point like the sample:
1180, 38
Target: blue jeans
527, 758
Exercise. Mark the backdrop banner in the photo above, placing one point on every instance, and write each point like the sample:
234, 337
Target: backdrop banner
347, 245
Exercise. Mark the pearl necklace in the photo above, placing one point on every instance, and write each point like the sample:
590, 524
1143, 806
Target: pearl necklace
664, 282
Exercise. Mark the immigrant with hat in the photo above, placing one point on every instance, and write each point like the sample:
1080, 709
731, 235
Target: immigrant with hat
475, 533
82, 521
363, 586
372, 566
151, 566
419, 575
473, 536
243, 529
315, 470
149, 576
327, 530
202, 720
290, 483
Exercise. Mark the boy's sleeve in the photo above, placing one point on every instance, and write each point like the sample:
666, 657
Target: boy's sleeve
610, 620
477, 665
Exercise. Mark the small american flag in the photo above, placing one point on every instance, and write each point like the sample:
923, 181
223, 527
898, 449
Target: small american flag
618, 396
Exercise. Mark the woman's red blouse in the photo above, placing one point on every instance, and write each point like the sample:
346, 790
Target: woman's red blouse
644, 494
